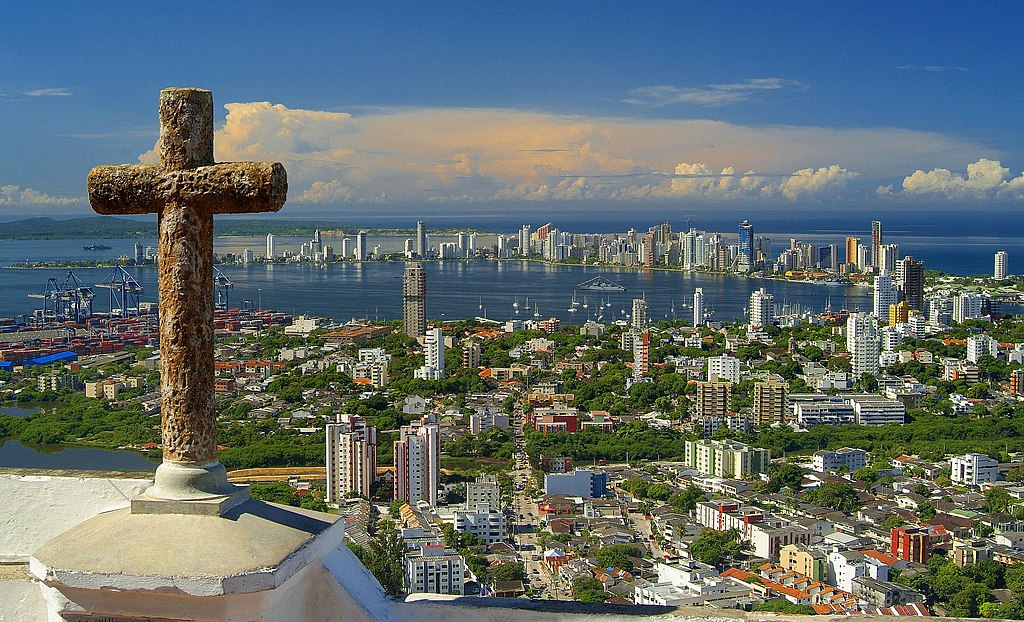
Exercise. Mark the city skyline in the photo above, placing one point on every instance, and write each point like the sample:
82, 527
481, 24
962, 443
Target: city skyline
817, 107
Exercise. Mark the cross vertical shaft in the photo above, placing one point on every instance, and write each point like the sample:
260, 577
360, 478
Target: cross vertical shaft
186, 279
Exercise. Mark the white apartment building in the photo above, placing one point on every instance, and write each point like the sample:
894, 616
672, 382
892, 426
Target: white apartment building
980, 345
973, 470
433, 356
351, 458
762, 308
967, 306
484, 521
877, 410
829, 461
481, 422
886, 294
484, 489
999, 270
436, 570
417, 464
863, 344
724, 367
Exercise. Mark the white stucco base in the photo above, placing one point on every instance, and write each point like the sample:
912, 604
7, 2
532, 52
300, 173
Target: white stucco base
35, 508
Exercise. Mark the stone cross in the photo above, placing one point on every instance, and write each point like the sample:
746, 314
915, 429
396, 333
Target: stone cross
185, 191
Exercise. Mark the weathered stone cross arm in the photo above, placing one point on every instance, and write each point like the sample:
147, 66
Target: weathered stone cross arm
229, 188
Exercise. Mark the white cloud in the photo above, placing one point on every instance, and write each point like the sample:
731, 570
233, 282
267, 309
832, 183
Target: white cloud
986, 179
707, 95
931, 68
701, 182
16, 195
809, 182
326, 192
476, 154
61, 92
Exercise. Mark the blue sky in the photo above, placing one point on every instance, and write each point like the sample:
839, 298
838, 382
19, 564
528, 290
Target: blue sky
465, 105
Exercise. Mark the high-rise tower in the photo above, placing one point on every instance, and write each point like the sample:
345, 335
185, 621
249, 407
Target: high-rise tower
421, 240
351, 458
876, 243
910, 278
417, 464
746, 254
639, 318
361, 246
698, 306
270, 246
1000, 266
414, 301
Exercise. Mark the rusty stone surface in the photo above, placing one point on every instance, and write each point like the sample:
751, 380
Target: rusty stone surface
186, 129
186, 190
229, 188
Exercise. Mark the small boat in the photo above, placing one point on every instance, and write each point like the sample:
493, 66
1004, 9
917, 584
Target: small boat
96, 247
515, 306
584, 302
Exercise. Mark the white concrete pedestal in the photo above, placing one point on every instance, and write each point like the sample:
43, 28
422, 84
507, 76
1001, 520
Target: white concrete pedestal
259, 561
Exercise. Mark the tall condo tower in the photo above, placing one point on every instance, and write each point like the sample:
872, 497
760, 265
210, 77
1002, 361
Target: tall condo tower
361, 246
876, 243
746, 256
270, 246
1000, 268
698, 306
421, 240
639, 318
351, 458
910, 278
417, 464
414, 301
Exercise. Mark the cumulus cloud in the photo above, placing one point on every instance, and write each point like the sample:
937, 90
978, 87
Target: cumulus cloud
16, 195
707, 95
326, 192
478, 154
986, 179
701, 182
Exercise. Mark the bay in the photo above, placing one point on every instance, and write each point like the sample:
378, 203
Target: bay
455, 289
14, 454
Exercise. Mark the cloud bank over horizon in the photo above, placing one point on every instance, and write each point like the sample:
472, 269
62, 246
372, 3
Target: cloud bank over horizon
444, 154
16, 196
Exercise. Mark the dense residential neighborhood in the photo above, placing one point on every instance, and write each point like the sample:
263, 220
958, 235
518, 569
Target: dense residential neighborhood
832, 463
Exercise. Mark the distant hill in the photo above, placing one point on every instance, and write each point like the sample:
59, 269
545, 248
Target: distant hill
114, 228
111, 228
101, 227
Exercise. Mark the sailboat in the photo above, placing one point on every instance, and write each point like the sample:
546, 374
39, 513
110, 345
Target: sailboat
536, 310
573, 306
481, 307
584, 302
515, 305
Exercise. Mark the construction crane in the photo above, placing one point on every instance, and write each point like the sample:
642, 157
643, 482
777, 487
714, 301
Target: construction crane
67, 301
124, 292
222, 287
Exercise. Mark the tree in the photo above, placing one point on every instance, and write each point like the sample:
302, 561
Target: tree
687, 500
893, 521
588, 590
509, 571
997, 500
617, 556
837, 495
713, 546
785, 475
781, 605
